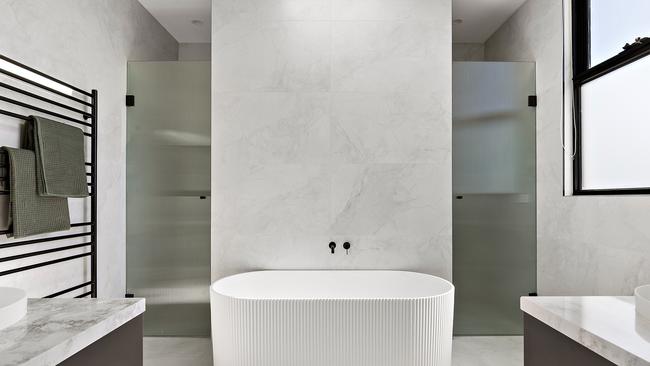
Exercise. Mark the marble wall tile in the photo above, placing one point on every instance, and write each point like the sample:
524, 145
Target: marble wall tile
391, 252
229, 12
388, 199
390, 128
87, 43
589, 245
283, 128
272, 56
259, 252
389, 56
271, 199
331, 125
382, 10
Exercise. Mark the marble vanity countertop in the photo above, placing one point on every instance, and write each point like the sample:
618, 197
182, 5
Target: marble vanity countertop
55, 329
607, 325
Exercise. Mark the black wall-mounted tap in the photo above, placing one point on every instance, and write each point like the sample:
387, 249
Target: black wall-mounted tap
332, 246
346, 246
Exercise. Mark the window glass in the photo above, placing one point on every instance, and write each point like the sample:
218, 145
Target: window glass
615, 128
614, 23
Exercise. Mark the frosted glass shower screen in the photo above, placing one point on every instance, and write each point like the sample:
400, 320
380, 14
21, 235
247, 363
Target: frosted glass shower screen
494, 239
168, 205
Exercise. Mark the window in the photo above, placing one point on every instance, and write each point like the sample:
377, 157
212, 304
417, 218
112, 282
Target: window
611, 96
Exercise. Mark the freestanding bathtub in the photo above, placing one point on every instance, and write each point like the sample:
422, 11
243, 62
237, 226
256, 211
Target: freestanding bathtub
332, 318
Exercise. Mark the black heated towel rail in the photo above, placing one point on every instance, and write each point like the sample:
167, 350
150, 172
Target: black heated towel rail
80, 110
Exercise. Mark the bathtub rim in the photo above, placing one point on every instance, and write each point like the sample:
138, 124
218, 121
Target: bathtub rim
450, 290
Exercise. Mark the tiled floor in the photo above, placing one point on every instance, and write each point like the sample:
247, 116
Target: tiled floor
468, 351
168, 351
488, 351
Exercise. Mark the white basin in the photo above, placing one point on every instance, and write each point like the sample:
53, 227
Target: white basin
13, 305
642, 299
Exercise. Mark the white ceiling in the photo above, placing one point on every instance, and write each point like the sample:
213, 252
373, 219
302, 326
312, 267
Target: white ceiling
481, 18
177, 16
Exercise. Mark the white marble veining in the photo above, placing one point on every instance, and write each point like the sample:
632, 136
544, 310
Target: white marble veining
386, 56
587, 245
272, 56
384, 199
55, 329
86, 43
389, 127
331, 121
607, 325
267, 128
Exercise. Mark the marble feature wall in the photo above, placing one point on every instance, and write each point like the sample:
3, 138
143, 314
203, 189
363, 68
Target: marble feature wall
468, 52
86, 43
589, 245
331, 121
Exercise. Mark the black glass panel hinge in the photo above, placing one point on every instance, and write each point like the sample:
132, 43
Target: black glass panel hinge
130, 100
532, 100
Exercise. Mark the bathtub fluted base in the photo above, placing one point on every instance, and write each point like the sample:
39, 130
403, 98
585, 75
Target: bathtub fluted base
334, 332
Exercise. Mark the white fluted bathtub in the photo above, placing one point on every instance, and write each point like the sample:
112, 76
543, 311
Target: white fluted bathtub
332, 318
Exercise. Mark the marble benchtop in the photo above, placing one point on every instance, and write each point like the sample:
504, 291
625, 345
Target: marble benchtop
55, 329
607, 325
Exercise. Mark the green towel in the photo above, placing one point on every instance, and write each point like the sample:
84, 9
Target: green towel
60, 161
30, 213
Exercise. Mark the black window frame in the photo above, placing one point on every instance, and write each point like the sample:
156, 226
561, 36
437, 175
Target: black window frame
584, 73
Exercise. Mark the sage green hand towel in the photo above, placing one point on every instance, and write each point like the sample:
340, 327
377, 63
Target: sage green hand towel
29, 212
60, 158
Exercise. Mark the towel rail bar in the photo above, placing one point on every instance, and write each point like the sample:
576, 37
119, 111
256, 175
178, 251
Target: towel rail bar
43, 264
80, 224
42, 110
3, 178
54, 91
62, 292
23, 66
44, 240
43, 252
44, 99
39, 90
5, 232
25, 118
14, 115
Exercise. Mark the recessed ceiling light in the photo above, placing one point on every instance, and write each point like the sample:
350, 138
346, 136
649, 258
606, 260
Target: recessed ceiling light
197, 22
458, 21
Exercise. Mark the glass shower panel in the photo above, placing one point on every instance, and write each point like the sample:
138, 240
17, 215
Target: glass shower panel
494, 247
168, 205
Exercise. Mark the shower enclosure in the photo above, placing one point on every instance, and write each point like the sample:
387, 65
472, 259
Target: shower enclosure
168, 198
494, 248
